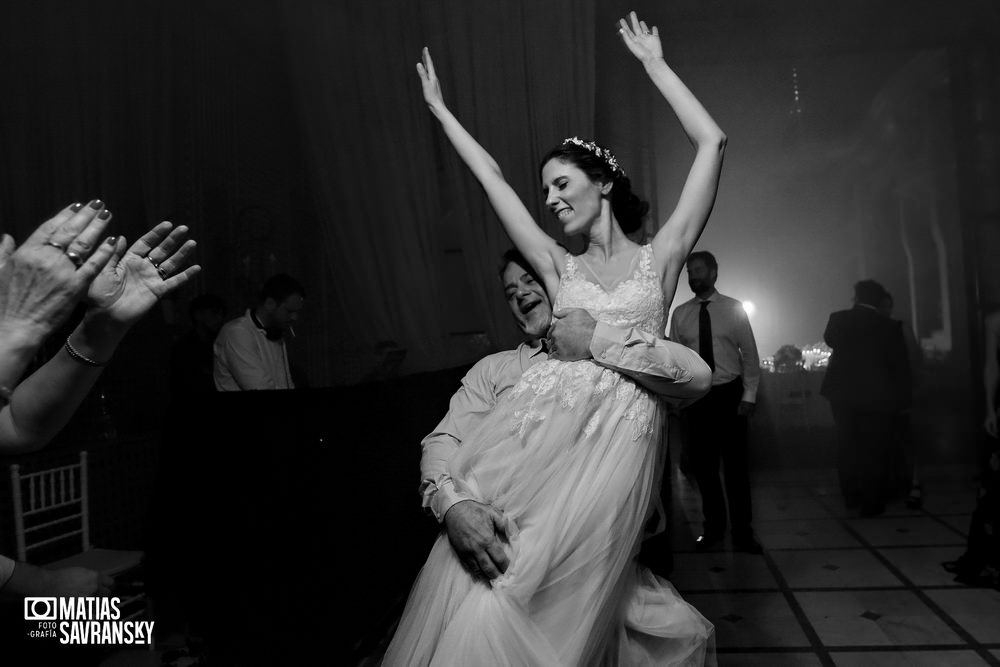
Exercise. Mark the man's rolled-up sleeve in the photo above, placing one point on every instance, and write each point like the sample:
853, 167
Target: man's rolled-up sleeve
749, 358
673, 371
470, 404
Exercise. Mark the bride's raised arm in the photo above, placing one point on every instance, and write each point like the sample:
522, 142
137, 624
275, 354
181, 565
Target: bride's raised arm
675, 240
540, 249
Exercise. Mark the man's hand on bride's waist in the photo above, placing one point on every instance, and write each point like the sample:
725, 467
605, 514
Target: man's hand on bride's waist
476, 533
570, 334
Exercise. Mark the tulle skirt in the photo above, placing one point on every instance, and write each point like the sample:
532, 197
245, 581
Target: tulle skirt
571, 455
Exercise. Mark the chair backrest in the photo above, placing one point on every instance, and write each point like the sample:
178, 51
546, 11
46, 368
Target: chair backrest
51, 509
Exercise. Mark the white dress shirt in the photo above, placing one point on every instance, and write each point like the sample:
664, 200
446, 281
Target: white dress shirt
245, 359
663, 368
733, 345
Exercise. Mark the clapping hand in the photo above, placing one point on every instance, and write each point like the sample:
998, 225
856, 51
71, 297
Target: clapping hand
135, 279
641, 40
429, 81
42, 280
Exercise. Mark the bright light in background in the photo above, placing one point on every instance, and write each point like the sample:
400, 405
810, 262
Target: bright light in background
750, 308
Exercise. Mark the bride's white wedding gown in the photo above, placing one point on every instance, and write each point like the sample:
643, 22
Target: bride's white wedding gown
571, 455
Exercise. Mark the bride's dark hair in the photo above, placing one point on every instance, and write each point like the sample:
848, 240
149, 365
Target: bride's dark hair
601, 167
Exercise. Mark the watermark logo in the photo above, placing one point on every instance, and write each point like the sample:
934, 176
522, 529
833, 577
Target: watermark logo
40, 609
84, 620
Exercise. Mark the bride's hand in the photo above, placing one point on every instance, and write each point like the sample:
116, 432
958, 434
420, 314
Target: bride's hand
429, 81
641, 40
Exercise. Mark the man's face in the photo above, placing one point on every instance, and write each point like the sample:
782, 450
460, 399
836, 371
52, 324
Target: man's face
527, 301
283, 315
700, 277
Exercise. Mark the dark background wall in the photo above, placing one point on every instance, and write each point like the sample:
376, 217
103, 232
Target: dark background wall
842, 123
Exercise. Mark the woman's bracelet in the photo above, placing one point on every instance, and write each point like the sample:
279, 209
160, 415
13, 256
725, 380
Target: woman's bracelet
81, 358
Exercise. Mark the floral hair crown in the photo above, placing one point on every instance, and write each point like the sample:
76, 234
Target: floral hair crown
603, 153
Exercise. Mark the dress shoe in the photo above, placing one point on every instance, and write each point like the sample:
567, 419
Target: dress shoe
706, 541
953, 566
747, 545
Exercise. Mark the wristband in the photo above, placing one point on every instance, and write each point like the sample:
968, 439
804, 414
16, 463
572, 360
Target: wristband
80, 357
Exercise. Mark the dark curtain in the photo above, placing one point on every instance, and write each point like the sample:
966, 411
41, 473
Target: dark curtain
388, 187
172, 111
293, 137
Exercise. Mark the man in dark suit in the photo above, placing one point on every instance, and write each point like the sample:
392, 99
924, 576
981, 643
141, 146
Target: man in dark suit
867, 382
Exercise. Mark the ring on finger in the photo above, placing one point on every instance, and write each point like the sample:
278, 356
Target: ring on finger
59, 246
161, 271
75, 257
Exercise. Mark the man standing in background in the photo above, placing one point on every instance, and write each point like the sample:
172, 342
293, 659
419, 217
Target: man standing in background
715, 427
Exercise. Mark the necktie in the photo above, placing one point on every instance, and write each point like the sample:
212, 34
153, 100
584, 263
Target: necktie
705, 336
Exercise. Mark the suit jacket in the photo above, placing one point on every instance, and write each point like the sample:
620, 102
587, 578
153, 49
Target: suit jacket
868, 369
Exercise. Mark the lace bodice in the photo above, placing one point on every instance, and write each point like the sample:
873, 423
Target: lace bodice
585, 389
636, 301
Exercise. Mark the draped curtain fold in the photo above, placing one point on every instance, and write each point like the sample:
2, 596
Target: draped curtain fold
144, 104
91, 93
354, 86
519, 76
195, 113
81, 118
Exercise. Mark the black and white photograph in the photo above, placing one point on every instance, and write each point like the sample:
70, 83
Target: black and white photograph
568, 333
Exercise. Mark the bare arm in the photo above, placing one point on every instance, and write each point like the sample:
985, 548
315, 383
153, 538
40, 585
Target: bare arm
45, 401
677, 237
541, 250
40, 284
127, 286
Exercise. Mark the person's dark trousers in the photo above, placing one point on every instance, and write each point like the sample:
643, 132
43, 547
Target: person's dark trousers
714, 431
863, 445
901, 457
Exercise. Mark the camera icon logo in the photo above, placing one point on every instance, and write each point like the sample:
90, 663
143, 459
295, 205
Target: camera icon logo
41, 609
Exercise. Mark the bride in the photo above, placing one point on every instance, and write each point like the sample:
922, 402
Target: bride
571, 455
